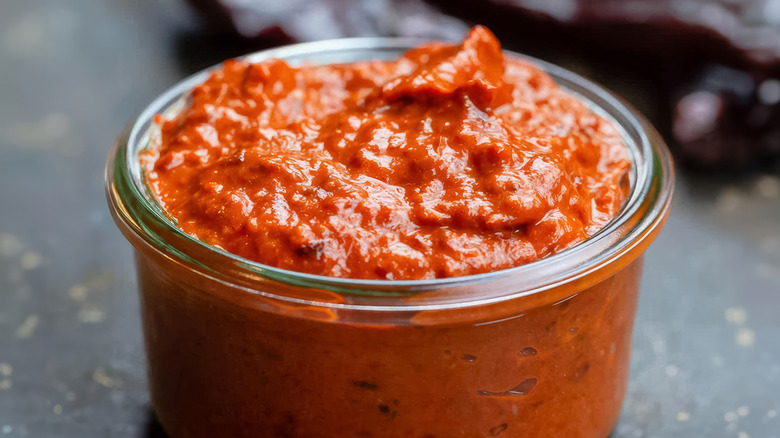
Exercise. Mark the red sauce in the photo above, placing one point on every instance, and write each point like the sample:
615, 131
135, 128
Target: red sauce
452, 160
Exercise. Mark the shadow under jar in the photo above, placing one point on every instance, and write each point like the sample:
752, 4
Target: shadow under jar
240, 349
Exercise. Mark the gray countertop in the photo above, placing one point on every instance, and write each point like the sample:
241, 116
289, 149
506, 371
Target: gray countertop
706, 360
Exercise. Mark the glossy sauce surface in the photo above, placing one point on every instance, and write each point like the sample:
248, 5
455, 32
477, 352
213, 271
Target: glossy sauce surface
452, 160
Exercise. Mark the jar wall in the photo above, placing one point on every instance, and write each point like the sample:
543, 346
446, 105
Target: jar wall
219, 368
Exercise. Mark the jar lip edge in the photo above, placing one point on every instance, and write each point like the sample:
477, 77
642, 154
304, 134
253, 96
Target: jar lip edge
657, 159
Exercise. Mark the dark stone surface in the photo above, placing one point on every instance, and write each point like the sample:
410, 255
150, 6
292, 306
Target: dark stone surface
707, 342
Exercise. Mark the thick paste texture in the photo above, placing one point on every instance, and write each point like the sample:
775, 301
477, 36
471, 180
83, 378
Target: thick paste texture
451, 160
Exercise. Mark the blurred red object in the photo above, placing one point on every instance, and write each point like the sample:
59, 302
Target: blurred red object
308, 20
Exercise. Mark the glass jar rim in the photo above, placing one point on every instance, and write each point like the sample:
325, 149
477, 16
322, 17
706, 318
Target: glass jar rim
652, 178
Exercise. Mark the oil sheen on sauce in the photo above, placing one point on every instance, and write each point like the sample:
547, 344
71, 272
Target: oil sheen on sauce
451, 160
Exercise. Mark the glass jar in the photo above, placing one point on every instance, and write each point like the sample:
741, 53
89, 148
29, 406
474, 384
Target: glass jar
236, 348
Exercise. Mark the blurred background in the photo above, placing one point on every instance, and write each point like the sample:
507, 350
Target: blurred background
706, 359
